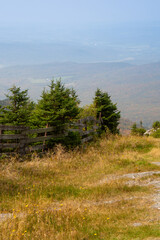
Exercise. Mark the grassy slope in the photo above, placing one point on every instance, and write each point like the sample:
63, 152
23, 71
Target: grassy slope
59, 196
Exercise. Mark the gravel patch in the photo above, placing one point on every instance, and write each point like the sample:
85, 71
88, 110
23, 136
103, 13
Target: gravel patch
136, 177
129, 175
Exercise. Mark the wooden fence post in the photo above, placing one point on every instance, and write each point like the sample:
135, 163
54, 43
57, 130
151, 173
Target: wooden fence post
44, 142
23, 142
85, 125
80, 127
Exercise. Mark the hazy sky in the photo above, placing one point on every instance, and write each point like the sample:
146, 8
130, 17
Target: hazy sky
81, 12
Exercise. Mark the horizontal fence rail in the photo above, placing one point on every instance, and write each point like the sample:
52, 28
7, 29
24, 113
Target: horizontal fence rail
22, 139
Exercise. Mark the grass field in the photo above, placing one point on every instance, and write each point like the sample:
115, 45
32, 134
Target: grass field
82, 194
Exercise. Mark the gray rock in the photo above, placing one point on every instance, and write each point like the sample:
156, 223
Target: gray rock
137, 224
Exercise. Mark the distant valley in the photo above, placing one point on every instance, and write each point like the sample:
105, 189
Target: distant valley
136, 89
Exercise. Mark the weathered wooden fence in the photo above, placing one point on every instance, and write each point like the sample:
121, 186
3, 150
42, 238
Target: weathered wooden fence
22, 139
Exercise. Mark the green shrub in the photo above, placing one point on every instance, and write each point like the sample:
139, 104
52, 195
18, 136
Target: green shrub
156, 134
73, 139
137, 131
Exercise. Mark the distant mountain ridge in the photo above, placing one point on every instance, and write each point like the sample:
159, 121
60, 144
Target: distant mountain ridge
135, 88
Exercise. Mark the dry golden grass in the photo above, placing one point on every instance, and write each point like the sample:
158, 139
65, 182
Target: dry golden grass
59, 196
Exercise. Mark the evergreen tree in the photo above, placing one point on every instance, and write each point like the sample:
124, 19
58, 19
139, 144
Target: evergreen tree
156, 125
18, 111
57, 106
107, 110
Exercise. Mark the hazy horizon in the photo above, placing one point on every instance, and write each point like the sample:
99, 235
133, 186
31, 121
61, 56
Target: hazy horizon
135, 44
35, 32
39, 32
